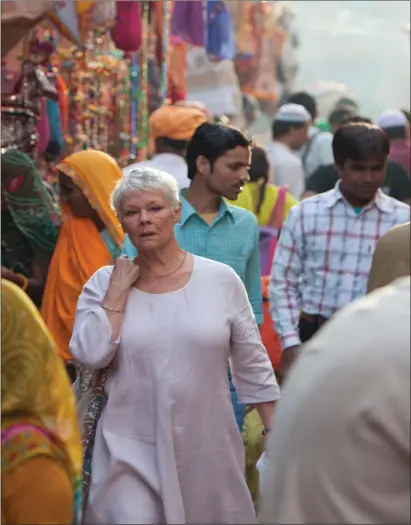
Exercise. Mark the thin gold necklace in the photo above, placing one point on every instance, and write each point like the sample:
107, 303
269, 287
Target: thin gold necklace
174, 271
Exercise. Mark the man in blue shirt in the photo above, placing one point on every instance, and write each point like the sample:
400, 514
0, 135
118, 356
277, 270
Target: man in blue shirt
218, 159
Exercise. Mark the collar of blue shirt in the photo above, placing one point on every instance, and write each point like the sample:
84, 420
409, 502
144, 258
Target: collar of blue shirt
187, 211
383, 202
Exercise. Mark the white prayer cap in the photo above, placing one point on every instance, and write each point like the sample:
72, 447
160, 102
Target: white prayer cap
392, 119
294, 113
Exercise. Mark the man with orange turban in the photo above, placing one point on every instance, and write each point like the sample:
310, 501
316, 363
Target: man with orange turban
171, 129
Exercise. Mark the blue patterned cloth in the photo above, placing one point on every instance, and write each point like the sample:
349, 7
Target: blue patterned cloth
233, 239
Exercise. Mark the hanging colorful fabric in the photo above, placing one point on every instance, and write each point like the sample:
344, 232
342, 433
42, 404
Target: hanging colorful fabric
62, 91
221, 43
54, 122
127, 30
42, 128
188, 22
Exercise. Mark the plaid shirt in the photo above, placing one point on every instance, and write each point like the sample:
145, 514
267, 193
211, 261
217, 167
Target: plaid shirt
324, 255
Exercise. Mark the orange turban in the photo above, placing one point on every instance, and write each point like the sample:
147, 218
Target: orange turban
176, 122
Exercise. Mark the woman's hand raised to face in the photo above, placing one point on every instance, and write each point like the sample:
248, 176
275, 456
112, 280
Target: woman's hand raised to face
125, 273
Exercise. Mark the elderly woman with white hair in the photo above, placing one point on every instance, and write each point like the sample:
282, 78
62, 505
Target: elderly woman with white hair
167, 446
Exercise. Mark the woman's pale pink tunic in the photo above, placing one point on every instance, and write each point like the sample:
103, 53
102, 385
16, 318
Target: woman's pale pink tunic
168, 449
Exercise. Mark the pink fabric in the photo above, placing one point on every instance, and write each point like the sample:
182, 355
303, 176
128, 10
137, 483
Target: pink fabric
127, 30
43, 129
18, 429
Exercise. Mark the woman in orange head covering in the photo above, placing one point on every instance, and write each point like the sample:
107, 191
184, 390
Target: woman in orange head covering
91, 237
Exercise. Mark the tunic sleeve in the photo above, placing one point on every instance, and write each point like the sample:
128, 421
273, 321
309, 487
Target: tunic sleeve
91, 343
253, 373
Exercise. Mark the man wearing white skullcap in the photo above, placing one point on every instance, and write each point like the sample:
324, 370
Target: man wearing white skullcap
290, 132
397, 127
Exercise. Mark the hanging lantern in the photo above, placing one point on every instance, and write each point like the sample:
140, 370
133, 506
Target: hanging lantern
127, 30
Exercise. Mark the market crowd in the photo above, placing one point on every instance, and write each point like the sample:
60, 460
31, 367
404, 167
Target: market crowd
151, 315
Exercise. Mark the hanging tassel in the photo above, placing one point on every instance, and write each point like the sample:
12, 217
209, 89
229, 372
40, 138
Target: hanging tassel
134, 107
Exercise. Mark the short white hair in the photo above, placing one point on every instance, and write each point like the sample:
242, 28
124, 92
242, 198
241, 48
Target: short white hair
145, 179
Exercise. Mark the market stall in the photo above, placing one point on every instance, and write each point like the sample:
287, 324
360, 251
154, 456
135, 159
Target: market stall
112, 63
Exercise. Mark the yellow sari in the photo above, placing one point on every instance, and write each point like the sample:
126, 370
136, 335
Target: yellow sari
38, 411
80, 249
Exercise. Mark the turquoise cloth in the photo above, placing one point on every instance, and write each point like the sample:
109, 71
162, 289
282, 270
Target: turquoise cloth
358, 210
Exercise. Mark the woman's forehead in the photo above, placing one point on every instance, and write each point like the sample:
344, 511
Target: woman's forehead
143, 197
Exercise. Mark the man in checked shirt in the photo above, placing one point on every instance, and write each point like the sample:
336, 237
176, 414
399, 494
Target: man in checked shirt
324, 253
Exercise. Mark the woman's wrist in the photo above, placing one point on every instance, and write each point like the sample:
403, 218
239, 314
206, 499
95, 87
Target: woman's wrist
115, 299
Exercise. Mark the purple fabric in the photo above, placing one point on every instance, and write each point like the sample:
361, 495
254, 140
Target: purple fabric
188, 22
268, 243
220, 32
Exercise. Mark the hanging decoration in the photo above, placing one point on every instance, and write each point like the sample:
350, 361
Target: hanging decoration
141, 138
134, 106
65, 18
220, 43
165, 38
188, 22
85, 10
126, 32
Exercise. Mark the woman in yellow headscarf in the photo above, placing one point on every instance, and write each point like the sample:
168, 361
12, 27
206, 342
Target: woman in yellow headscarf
90, 237
41, 454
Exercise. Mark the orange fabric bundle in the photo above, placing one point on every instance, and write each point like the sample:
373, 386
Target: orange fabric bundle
80, 249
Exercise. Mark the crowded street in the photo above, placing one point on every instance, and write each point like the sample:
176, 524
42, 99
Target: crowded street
205, 263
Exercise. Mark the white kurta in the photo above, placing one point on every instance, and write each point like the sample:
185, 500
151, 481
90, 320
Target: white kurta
168, 449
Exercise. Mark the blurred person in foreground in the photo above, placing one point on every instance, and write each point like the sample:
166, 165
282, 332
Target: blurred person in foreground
289, 133
258, 195
90, 237
318, 150
396, 182
41, 453
324, 253
30, 225
171, 128
397, 127
340, 449
164, 325
392, 257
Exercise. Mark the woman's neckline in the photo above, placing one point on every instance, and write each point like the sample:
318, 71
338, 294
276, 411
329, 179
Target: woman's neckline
162, 294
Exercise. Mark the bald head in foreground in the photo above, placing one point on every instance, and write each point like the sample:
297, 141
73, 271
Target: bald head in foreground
392, 257
340, 447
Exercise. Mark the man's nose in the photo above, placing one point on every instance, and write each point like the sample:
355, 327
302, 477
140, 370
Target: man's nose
244, 176
368, 175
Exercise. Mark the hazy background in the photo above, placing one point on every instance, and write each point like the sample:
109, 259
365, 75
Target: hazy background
362, 44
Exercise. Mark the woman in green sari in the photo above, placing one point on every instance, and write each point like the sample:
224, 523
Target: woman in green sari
29, 224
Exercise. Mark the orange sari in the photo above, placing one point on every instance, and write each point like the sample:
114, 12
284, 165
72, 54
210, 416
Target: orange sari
80, 249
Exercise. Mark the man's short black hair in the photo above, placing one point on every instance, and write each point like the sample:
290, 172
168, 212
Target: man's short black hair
359, 142
177, 145
338, 116
306, 100
212, 141
356, 119
396, 132
281, 128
